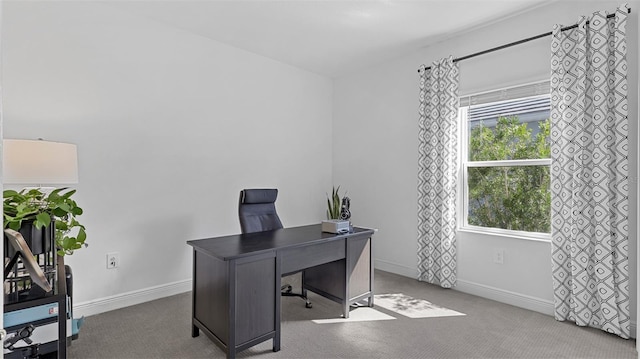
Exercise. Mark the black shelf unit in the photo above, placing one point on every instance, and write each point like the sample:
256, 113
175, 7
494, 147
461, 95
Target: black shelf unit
58, 295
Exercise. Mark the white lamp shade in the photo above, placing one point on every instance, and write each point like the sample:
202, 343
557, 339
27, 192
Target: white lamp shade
39, 162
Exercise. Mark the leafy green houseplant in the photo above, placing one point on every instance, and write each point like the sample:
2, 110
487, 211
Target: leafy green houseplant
34, 207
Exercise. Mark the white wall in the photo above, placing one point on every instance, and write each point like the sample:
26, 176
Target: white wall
170, 127
375, 140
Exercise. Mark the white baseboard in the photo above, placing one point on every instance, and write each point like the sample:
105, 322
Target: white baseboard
499, 295
504, 296
516, 299
130, 298
396, 268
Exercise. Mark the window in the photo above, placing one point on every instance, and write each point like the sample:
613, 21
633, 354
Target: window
506, 160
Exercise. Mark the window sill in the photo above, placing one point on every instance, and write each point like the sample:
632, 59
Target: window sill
529, 236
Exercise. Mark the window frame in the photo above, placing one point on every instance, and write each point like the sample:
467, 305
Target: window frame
463, 197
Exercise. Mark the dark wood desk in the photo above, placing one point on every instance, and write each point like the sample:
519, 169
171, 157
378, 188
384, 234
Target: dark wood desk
237, 279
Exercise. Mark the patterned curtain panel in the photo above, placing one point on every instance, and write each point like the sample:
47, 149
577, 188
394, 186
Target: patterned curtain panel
589, 173
437, 173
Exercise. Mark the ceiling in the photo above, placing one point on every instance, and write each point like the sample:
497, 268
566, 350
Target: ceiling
327, 37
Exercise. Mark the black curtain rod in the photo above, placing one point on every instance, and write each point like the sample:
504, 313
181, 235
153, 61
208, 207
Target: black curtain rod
516, 43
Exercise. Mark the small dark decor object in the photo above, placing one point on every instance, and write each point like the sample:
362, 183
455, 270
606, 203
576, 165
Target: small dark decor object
39, 216
345, 213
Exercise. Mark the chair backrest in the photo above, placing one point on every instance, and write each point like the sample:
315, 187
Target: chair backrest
257, 210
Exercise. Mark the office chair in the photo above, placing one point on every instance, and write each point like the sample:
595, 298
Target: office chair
257, 213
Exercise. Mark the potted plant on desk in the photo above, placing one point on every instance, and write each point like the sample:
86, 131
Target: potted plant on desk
338, 208
38, 215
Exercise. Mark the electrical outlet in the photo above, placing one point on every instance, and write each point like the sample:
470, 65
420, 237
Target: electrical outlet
113, 260
498, 255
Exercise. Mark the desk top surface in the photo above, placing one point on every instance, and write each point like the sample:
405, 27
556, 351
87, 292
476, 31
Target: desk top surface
243, 245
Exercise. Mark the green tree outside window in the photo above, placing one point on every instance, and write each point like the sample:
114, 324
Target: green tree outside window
509, 197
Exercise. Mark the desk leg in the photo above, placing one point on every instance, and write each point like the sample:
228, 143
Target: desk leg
195, 331
304, 290
371, 271
347, 264
277, 300
359, 272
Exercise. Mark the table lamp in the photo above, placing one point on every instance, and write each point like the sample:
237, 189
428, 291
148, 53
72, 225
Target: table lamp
38, 162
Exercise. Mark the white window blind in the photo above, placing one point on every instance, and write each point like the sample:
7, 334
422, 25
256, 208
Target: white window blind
510, 93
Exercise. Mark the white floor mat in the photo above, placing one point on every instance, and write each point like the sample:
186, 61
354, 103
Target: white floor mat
362, 314
412, 307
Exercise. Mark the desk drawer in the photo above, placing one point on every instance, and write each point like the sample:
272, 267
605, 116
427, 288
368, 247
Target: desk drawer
300, 258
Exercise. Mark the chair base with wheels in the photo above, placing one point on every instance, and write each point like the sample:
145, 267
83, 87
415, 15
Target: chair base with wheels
287, 291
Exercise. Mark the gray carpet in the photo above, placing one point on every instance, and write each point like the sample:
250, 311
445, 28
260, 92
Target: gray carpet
162, 329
